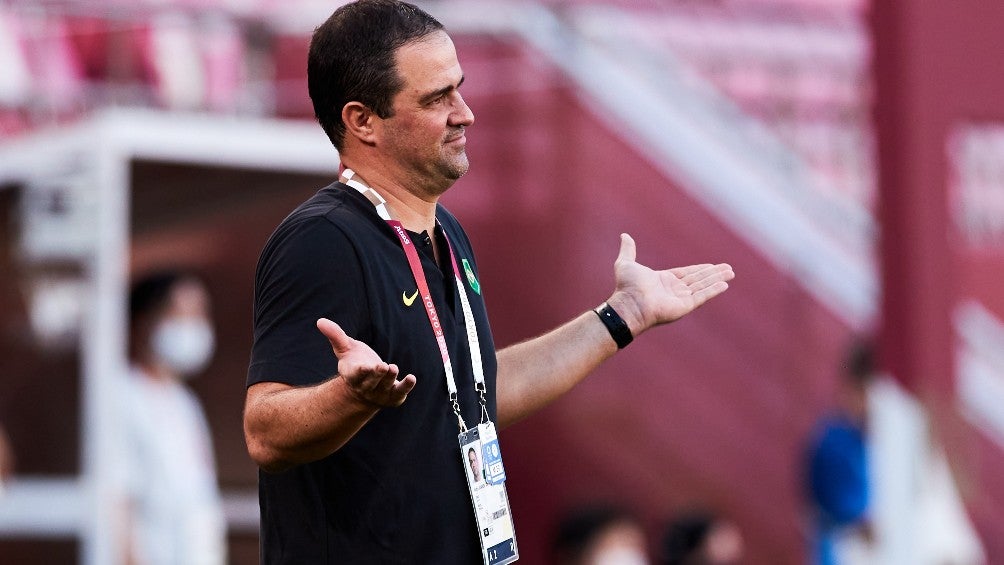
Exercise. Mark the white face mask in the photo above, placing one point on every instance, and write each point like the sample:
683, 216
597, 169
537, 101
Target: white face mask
185, 345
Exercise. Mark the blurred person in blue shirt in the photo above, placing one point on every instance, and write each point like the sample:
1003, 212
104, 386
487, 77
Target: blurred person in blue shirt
839, 489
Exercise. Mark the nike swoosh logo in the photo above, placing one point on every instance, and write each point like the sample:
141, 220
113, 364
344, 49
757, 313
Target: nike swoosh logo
409, 301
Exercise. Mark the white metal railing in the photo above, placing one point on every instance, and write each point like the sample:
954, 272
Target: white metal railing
979, 366
103, 148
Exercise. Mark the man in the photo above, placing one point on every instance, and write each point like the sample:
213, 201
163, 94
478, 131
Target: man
472, 460
358, 449
878, 485
173, 511
838, 483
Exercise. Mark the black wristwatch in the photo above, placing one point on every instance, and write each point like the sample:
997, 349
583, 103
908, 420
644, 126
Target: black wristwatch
616, 325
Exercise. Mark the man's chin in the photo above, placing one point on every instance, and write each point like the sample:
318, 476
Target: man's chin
457, 169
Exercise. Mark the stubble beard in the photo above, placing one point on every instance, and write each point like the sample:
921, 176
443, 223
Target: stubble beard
455, 163
451, 167
440, 172
458, 166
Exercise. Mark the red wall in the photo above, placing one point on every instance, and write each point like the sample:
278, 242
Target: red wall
938, 65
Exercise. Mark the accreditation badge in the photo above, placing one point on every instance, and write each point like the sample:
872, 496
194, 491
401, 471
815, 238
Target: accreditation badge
479, 450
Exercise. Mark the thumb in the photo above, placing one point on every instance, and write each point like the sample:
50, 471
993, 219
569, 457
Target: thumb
340, 341
628, 251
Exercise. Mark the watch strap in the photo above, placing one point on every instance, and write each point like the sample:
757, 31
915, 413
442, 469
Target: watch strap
616, 325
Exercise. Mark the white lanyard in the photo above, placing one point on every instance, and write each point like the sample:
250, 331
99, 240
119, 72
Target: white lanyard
430, 308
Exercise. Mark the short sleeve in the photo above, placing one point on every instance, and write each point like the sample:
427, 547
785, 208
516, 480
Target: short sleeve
309, 269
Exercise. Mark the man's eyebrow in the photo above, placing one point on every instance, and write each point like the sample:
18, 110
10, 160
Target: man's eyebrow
445, 90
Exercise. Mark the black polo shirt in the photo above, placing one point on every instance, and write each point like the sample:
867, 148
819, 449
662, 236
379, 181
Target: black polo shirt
396, 492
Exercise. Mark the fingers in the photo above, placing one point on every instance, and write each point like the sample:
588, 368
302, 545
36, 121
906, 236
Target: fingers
703, 275
682, 272
705, 268
628, 251
379, 386
708, 282
709, 292
403, 387
383, 388
340, 341
398, 389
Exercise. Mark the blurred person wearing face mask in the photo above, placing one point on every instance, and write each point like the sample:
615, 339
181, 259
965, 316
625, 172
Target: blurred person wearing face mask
599, 535
173, 514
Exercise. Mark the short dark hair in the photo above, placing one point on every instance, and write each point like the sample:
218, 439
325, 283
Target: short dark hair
685, 537
151, 293
859, 362
352, 59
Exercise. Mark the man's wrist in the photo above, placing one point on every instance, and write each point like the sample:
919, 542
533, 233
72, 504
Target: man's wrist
629, 311
615, 324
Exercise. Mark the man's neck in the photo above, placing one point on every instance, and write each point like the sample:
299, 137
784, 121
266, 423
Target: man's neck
416, 212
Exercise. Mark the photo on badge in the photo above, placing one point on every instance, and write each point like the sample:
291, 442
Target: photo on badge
473, 463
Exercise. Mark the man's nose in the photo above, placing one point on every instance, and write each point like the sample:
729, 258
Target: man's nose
462, 115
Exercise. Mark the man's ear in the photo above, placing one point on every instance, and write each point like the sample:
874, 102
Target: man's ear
359, 121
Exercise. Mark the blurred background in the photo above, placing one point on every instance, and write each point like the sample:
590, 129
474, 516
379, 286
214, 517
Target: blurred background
845, 156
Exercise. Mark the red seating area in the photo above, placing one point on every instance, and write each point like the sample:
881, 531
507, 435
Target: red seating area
802, 72
799, 66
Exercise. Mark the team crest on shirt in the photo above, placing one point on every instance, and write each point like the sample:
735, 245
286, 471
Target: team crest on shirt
471, 279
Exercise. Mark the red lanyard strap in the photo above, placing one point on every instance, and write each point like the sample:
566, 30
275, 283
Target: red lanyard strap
415, 263
437, 327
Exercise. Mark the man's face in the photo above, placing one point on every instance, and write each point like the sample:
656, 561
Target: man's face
472, 458
425, 135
